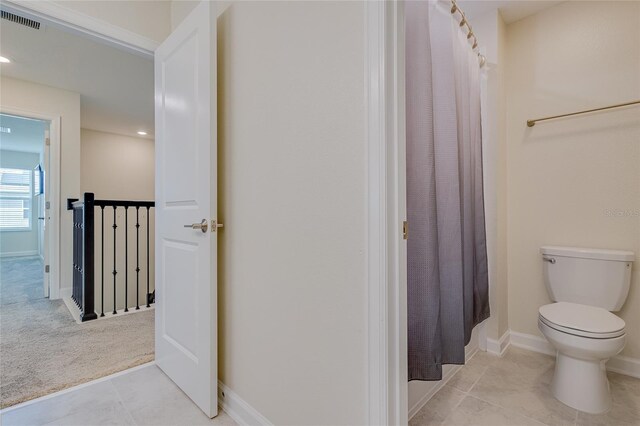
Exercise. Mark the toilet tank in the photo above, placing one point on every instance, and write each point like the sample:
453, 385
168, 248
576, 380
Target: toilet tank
594, 277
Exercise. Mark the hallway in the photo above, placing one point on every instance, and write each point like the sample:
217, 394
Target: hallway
43, 350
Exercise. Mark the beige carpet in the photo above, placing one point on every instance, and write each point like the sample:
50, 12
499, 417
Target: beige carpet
43, 350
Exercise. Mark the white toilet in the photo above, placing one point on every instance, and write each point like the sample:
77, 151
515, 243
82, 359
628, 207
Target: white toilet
586, 285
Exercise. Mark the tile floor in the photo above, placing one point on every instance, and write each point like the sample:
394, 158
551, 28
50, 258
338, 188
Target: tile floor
514, 391
143, 397
508, 391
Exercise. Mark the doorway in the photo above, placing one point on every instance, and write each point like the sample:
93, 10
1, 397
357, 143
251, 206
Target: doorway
113, 108
96, 121
24, 161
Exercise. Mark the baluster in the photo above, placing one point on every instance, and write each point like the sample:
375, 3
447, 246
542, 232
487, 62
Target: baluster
115, 272
137, 257
102, 265
75, 257
81, 259
126, 257
76, 262
78, 248
87, 259
148, 258
73, 253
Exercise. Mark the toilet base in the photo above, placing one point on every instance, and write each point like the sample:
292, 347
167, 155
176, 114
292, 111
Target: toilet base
581, 384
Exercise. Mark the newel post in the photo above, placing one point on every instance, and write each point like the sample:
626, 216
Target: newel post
88, 283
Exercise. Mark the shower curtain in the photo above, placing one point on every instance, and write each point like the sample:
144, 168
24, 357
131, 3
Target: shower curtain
447, 255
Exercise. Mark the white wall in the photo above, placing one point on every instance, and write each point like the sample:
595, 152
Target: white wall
49, 100
117, 167
17, 243
292, 277
574, 181
181, 8
490, 29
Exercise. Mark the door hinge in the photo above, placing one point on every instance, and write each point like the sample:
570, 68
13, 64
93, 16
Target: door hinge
47, 141
47, 205
46, 269
405, 230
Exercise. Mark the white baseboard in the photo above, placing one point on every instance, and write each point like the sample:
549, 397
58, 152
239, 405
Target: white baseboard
619, 364
448, 372
482, 335
19, 253
625, 365
499, 347
531, 342
65, 292
73, 309
238, 409
130, 311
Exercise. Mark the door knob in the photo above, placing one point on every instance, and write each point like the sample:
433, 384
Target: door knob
203, 226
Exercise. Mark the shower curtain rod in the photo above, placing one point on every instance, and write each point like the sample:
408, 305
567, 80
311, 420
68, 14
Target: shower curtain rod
455, 8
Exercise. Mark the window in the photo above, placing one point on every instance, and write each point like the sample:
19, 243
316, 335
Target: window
15, 199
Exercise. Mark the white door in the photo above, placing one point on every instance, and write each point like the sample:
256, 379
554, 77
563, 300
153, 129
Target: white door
186, 257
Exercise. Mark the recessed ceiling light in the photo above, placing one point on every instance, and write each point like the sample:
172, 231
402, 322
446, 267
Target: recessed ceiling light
142, 133
4, 60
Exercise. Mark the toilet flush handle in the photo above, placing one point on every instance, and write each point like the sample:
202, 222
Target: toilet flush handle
551, 260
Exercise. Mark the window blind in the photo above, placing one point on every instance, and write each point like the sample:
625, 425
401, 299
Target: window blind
15, 199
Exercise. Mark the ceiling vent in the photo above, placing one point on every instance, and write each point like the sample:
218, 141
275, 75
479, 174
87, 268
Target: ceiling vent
20, 20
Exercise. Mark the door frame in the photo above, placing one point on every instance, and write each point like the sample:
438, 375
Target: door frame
386, 211
53, 175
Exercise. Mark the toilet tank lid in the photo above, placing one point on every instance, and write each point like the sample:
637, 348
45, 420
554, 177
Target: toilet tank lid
589, 253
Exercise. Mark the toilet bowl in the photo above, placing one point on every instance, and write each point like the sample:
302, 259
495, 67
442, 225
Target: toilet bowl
587, 285
585, 337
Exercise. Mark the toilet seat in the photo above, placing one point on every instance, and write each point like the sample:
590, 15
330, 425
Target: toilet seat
582, 320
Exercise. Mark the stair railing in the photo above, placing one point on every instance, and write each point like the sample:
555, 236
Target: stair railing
85, 288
